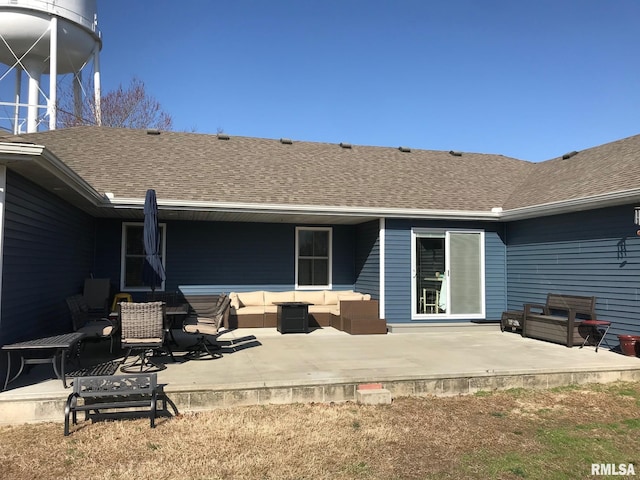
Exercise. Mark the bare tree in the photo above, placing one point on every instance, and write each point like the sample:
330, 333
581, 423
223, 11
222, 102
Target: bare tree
130, 107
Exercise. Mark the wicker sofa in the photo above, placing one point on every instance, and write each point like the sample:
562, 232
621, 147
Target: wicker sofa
345, 310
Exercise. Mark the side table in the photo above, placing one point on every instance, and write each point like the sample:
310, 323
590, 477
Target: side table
293, 317
51, 348
597, 330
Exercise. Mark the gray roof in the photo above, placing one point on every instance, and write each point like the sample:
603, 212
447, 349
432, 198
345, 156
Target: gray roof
185, 168
603, 170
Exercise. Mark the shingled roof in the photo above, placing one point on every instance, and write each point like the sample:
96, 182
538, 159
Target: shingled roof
612, 168
188, 168
197, 167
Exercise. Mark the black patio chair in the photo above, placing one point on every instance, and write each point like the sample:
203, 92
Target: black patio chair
94, 326
207, 313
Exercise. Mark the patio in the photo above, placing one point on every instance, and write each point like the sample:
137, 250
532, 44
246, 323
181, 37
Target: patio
262, 366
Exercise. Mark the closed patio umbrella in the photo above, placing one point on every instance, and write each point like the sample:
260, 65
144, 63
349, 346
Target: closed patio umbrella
153, 272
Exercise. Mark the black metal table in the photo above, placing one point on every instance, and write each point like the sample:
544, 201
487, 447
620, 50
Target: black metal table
172, 313
293, 317
52, 348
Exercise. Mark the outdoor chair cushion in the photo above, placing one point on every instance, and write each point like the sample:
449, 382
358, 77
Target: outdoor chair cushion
315, 298
97, 328
249, 299
331, 296
271, 298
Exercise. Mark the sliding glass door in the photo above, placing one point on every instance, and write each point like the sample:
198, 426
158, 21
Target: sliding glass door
447, 274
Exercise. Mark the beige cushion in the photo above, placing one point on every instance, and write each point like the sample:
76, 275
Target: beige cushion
235, 302
137, 341
270, 298
97, 328
252, 310
250, 299
351, 296
317, 298
270, 309
331, 296
321, 308
195, 325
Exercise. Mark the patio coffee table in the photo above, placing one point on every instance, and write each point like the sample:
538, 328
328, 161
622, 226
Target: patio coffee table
50, 347
293, 317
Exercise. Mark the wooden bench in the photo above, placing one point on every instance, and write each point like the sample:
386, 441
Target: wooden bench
112, 392
559, 319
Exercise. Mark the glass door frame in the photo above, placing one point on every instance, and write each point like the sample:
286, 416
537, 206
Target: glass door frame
445, 233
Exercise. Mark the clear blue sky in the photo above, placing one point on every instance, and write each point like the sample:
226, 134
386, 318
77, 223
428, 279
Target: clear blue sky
532, 79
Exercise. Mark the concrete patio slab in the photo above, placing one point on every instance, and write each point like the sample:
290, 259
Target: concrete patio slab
260, 366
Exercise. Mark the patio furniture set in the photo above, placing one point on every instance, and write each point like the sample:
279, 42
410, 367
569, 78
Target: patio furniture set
565, 319
145, 332
352, 312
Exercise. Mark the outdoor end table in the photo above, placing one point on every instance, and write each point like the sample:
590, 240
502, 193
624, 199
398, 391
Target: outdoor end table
598, 330
293, 317
51, 346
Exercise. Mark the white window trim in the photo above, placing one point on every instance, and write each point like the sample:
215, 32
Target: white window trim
163, 232
330, 273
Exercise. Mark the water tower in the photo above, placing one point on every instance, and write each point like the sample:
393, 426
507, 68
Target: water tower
45, 37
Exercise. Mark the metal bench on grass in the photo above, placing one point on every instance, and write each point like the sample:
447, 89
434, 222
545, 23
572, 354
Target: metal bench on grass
112, 392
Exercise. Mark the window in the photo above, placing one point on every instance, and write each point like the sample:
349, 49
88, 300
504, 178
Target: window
313, 257
133, 256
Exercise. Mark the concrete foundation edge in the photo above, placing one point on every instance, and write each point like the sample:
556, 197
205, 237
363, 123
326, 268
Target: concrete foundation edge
15, 412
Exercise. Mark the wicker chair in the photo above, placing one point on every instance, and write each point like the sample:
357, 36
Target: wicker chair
93, 326
142, 327
207, 313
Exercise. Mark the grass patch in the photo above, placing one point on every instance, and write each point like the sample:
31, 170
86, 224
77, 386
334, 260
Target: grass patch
518, 434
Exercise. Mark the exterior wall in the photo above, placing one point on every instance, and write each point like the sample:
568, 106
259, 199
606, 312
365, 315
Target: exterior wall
585, 253
398, 267
213, 257
48, 252
368, 258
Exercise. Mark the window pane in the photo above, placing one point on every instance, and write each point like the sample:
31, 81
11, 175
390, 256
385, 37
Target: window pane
305, 243
135, 245
133, 269
466, 295
320, 272
132, 276
305, 269
321, 244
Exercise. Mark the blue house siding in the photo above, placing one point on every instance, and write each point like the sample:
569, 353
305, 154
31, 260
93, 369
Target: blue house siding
368, 258
48, 252
495, 271
209, 257
398, 267
585, 253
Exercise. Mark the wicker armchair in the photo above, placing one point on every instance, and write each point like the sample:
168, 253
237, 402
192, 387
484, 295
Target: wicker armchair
93, 326
142, 327
207, 313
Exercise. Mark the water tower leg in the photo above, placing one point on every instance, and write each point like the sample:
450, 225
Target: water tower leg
16, 114
53, 72
34, 97
96, 86
77, 97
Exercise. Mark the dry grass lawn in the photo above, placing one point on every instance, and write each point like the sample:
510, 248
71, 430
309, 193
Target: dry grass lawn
554, 434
